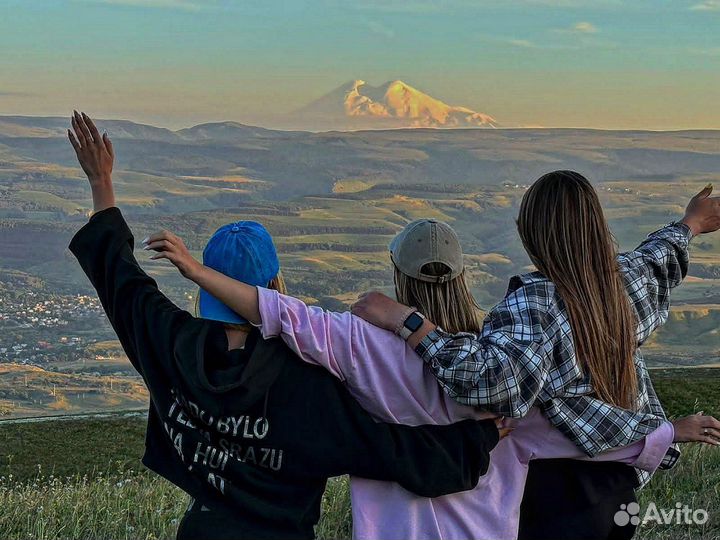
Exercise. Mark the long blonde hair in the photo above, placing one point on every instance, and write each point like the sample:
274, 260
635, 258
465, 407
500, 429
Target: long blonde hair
450, 305
564, 231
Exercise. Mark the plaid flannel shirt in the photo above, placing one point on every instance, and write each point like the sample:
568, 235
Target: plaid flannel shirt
525, 354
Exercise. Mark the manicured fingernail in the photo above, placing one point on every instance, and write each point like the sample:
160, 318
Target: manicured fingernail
146, 240
147, 248
709, 186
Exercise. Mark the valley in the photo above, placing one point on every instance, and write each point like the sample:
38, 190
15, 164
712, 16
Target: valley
332, 201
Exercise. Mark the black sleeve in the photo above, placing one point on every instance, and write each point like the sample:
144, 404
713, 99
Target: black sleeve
343, 438
145, 321
432, 461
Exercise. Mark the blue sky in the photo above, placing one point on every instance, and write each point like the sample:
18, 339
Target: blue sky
596, 63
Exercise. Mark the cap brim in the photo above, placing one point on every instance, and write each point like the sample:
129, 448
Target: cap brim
212, 308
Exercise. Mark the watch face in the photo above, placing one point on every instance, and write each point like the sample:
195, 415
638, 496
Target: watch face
413, 322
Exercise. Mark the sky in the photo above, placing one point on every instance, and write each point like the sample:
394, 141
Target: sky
611, 64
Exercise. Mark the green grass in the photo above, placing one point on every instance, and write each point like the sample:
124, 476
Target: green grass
694, 482
688, 390
67, 479
71, 447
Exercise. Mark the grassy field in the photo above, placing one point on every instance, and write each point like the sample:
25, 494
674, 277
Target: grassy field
70, 481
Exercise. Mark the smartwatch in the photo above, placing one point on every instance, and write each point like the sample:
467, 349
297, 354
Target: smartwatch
412, 324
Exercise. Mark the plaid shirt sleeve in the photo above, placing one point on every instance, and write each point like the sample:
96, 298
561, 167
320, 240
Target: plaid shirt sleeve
504, 368
651, 271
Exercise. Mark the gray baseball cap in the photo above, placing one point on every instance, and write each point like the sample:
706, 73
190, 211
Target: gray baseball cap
427, 241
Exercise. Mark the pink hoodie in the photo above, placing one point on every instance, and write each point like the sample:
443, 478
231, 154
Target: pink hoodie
392, 383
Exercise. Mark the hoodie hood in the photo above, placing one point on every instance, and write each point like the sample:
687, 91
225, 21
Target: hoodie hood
221, 381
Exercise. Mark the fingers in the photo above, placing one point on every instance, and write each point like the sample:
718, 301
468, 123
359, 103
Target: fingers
108, 144
91, 127
73, 141
707, 439
80, 121
162, 235
163, 255
705, 192
78, 132
159, 245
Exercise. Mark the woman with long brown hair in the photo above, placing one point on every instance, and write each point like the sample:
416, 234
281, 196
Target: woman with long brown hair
566, 338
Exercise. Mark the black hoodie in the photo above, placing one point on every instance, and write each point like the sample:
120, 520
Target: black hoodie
257, 432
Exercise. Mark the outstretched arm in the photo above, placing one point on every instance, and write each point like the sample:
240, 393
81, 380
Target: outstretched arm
503, 369
145, 321
660, 263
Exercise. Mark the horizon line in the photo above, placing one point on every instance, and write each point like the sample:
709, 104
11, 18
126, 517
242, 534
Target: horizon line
407, 128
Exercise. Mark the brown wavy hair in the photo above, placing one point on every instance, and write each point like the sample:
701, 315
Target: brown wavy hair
564, 231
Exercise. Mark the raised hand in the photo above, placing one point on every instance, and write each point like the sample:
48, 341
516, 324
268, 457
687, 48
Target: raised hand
697, 428
94, 152
171, 247
96, 156
703, 212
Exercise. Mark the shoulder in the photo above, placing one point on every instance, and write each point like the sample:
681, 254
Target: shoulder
531, 291
531, 301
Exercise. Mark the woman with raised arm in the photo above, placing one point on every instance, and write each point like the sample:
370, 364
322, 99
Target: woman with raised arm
388, 379
567, 338
228, 422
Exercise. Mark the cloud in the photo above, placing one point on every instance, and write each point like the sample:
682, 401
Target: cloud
707, 5
583, 27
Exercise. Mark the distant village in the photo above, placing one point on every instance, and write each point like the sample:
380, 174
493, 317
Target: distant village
40, 328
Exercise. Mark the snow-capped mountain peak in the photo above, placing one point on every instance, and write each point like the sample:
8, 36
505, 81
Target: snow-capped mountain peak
393, 104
